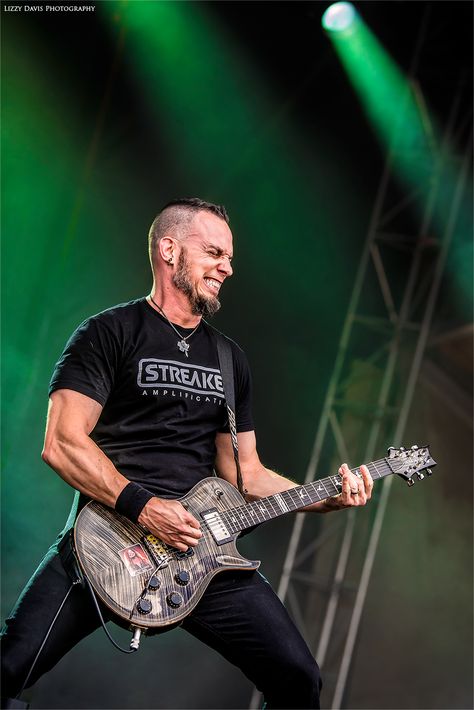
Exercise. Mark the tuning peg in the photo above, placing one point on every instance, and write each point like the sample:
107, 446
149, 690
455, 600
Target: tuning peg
402, 448
420, 476
414, 447
410, 482
429, 472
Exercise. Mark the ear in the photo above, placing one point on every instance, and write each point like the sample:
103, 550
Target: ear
167, 247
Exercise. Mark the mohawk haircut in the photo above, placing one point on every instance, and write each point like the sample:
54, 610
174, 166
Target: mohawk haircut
178, 214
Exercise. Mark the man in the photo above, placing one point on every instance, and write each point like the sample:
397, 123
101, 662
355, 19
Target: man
128, 426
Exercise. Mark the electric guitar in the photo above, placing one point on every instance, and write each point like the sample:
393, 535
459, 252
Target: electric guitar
152, 586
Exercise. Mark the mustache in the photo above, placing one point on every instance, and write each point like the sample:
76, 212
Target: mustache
200, 305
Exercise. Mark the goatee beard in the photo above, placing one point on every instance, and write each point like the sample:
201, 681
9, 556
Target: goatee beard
200, 306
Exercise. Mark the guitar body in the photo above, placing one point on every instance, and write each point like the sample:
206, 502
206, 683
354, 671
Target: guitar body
145, 582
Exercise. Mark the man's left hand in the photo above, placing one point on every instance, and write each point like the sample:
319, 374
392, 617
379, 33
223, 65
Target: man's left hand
355, 490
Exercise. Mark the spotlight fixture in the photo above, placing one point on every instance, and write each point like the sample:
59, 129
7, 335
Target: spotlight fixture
339, 16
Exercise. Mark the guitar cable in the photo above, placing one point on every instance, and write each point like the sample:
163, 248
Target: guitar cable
133, 648
71, 565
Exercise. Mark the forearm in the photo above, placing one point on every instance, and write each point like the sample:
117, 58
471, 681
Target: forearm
82, 464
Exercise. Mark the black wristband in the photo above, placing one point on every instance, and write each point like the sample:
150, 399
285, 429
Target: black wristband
132, 500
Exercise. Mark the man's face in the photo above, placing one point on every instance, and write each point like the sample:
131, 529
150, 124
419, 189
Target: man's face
204, 263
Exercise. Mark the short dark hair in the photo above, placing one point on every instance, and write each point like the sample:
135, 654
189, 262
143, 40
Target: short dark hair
180, 212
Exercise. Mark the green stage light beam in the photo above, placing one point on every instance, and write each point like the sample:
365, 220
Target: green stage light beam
404, 126
384, 92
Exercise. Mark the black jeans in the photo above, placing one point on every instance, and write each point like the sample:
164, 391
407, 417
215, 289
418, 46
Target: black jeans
239, 616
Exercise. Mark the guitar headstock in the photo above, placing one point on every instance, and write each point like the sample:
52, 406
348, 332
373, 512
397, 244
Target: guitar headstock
410, 462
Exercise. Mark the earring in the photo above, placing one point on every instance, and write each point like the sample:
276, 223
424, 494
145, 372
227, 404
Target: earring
170, 260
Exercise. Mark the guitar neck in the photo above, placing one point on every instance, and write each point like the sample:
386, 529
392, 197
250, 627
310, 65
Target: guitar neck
273, 506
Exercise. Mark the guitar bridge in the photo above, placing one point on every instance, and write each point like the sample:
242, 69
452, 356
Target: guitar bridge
157, 549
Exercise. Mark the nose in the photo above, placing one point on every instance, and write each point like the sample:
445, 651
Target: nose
225, 267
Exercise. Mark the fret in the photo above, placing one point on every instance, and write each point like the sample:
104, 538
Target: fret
303, 496
230, 521
375, 473
261, 505
330, 485
298, 497
322, 483
290, 499
248, 517
320, 492
243, 516
282, 504
335, 480
261, 509
274, 511
258, 513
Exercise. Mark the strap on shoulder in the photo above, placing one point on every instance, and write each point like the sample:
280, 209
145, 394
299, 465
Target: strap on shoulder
224, 354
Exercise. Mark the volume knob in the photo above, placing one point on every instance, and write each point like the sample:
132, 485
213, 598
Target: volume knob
144, 606
182, 577
174, 600
153, 583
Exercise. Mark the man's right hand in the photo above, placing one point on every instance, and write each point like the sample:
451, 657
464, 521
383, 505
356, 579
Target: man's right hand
171, 523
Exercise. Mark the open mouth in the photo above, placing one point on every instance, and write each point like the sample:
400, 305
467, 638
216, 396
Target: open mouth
213, 285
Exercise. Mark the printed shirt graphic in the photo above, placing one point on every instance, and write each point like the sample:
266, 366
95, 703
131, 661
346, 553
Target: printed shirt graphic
165, 374
161, 409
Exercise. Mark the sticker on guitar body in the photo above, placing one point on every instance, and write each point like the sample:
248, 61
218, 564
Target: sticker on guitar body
135, 560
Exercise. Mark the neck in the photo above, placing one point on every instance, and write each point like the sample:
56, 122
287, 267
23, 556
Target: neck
175, 305
262, 509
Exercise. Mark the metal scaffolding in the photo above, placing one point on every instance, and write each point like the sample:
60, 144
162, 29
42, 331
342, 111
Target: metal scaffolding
329, 559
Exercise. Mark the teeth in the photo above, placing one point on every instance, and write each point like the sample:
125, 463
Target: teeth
212, 283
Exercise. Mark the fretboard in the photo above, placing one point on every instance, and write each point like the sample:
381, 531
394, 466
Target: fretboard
259, 511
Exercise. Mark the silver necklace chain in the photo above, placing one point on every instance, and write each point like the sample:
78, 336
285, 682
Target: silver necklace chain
182, 344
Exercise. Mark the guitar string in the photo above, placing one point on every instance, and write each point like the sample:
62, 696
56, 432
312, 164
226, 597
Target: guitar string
242, 511
335, 481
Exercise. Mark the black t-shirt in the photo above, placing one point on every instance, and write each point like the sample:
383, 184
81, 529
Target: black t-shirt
161, 409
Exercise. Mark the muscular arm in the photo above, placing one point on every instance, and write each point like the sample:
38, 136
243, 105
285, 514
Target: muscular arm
260, 481
70, 451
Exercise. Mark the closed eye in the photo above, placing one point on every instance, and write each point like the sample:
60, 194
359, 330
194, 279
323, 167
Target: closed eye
217, 254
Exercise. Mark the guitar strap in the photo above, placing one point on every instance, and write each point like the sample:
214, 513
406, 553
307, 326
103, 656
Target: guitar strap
224, 354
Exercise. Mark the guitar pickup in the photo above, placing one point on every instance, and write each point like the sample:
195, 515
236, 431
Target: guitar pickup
216, 525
